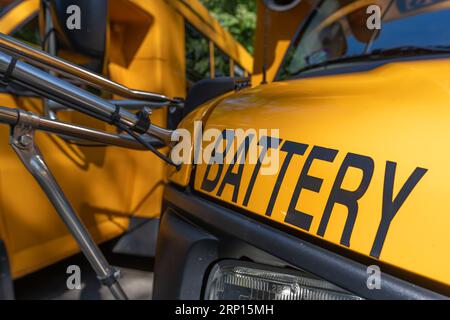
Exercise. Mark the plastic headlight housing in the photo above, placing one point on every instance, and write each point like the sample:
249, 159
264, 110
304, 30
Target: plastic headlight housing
240, 280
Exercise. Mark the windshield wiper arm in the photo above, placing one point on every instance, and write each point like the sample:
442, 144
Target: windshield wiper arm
409, 50
379, 54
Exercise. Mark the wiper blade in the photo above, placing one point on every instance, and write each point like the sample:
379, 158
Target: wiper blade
410, 50
379, 54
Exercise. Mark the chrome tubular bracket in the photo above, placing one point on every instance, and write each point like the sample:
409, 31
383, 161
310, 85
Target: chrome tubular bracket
22, 140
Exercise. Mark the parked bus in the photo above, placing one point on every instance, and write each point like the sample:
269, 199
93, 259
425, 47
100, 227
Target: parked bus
354, 118
162, 46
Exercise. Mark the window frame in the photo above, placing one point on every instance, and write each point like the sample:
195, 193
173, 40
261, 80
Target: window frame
9, 7
212, 47
301, 28
23, 24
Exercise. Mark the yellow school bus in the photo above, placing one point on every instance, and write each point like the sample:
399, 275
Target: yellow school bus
162, 46
354, 122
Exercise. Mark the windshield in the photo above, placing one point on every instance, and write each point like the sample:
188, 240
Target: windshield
345, 28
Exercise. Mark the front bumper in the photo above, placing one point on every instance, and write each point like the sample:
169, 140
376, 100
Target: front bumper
195, 233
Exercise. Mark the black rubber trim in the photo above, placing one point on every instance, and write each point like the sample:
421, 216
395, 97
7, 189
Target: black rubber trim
143, 123
6, 79
115, 116
362, 66
206, 90
184, 255
346, 273
6, 282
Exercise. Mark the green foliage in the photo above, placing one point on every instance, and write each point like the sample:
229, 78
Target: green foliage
237, 16
197, 56
29, 33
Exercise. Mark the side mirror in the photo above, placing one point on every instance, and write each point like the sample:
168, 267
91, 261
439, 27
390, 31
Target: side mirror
281, 5
79, 25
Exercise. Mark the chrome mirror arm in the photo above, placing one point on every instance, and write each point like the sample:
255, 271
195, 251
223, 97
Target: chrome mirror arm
49, 45
56, 89
42, 59
71, 131
52, 108
23, 142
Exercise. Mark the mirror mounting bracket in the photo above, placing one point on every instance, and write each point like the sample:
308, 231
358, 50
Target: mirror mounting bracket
22, 140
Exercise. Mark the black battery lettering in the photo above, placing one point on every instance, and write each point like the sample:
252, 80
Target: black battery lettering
391, 206
346, 197
210, 184
291, 148
266, 143
234, 179
305, 181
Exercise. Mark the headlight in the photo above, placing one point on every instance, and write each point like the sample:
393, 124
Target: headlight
239, 280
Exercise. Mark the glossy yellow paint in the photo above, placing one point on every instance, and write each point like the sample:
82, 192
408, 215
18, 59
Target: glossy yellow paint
18, 15
146, 50
397, 112
201, 114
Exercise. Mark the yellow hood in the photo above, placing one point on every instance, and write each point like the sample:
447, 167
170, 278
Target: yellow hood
364, 161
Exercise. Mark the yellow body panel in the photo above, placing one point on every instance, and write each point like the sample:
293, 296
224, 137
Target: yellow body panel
396, 113
273, 35
105, 185
18, 15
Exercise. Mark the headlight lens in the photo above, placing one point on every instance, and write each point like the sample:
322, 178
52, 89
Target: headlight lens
238, 280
